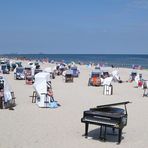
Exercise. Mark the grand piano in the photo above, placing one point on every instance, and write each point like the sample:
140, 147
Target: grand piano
106, 116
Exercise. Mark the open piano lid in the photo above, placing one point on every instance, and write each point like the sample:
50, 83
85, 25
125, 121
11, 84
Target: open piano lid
109, 110
114, 104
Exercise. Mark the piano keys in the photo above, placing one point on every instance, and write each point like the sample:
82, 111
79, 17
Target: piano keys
106, 116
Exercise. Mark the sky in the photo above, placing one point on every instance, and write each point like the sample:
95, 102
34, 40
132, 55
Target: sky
74, 26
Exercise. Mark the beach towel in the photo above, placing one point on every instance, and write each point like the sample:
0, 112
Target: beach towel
53, 104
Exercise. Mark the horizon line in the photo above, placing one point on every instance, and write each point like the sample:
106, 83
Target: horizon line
74, 53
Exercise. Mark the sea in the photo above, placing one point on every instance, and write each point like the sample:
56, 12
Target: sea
117, 60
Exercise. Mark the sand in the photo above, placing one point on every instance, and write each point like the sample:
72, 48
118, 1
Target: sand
29, 126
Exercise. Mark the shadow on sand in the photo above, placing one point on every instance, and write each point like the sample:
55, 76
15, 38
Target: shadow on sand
110, 135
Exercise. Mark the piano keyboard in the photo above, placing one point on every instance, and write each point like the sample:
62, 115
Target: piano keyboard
103, 121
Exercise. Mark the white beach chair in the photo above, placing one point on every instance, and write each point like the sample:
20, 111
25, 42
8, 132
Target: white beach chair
41, 86
138, 80
116, 76
7, 99
107, 81
107, 87
50, 71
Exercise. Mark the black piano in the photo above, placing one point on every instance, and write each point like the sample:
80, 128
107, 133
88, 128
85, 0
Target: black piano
106, 116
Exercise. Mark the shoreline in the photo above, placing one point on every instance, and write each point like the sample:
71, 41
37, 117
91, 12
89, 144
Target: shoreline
78, 61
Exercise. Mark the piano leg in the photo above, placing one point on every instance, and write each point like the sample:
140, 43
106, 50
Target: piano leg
103, 136
86, 129
119, 137
101, 132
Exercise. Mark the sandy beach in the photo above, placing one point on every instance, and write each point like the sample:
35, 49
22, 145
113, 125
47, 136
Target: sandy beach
29, 126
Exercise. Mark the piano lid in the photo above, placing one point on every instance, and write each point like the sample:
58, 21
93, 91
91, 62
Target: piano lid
109, 109
94, 113
114, 104
112, 112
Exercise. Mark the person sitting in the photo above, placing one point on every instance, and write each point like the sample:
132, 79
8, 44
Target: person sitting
50, 94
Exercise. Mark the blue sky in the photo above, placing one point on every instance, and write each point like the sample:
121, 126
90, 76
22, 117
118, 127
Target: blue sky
74, 26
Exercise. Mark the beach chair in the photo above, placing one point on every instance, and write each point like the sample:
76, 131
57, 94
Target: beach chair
60, 68
133, 74
50, 71
107, 87
43, 95
105, 74
7, 98
12, 66
139, 80
116, 77
68, 76
95, 78
4, 69
75, 71
19, 73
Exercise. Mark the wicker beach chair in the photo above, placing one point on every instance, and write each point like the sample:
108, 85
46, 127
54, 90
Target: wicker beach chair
95, 78
7, 97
